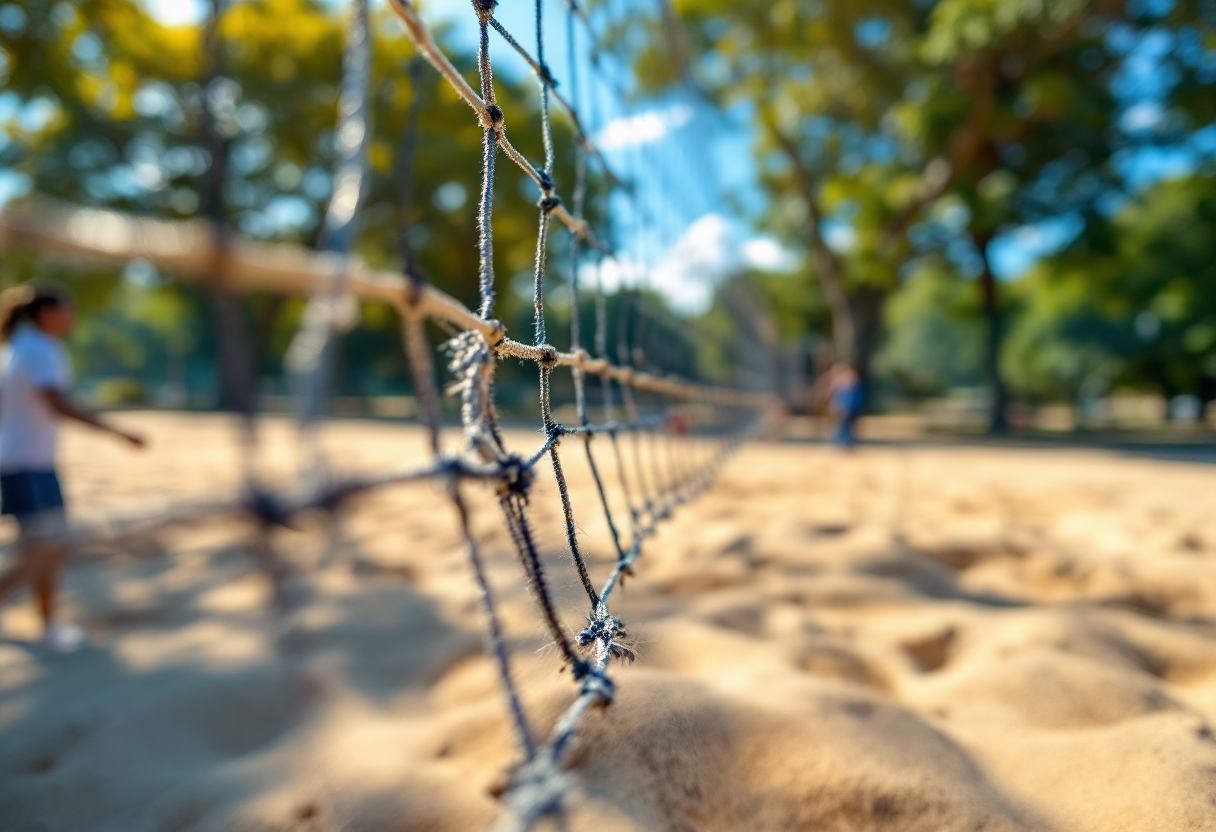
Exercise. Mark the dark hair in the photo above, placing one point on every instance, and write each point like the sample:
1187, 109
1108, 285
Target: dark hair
26, 301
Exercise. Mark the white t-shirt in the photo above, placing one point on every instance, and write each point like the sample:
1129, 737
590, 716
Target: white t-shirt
31, 362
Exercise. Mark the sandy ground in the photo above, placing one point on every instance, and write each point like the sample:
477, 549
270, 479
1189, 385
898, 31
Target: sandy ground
911, 638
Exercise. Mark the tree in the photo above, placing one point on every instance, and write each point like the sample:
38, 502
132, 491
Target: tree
876, 122
1034, 84
1132, 303
820, 82
932, 324
112, 117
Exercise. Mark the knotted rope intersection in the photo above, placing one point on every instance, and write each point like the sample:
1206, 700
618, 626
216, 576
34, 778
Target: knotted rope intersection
689, 429
539, 785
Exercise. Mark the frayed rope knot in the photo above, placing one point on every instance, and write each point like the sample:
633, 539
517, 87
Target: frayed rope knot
593, 678
547, 357
598, 683
497, 333
515, 476
549, 204
608, 631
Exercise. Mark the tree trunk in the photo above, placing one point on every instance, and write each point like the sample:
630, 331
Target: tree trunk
263, 332
989, 288
866, 305
1207, 394
236, 377
844, 323
827, 265
405, 173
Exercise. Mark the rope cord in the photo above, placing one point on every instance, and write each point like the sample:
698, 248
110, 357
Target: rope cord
685, 428
539, 785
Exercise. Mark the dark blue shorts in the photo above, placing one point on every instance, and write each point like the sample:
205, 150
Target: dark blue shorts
28, 494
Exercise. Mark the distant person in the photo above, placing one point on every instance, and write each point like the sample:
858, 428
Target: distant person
847, 399
35, 380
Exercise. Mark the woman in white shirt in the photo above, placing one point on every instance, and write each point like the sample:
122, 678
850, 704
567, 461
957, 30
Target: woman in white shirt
35, 380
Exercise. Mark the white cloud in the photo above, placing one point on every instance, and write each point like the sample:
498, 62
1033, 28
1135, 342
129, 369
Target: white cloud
644, 128
613, 273
708, 252
768, 255
711, 249
685, 274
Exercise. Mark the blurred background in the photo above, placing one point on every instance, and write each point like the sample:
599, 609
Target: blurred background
1001, 211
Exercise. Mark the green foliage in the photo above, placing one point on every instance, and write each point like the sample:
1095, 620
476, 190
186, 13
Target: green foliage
794, 302
1133, 303
869, 114
887, 133
110, 109
933, 335
893, 141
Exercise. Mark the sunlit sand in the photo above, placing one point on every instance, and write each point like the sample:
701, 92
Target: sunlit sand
912, 637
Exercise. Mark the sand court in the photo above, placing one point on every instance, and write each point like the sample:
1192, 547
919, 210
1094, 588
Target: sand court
913, 637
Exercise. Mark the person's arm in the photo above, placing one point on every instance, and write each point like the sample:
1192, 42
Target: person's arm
62, 404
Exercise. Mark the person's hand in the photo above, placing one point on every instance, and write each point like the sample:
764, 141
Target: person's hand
135, 440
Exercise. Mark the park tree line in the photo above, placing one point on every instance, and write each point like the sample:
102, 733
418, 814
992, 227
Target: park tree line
897, 143
234, 119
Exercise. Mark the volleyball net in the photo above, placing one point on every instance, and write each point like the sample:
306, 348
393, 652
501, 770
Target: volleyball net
661, 435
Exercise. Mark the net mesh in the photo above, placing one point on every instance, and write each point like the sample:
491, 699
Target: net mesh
666, 435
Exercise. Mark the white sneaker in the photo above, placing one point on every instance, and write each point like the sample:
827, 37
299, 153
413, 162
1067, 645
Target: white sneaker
63, 638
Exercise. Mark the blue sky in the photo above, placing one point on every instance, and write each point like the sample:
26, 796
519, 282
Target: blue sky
691, 221
1013, 253
676, 230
